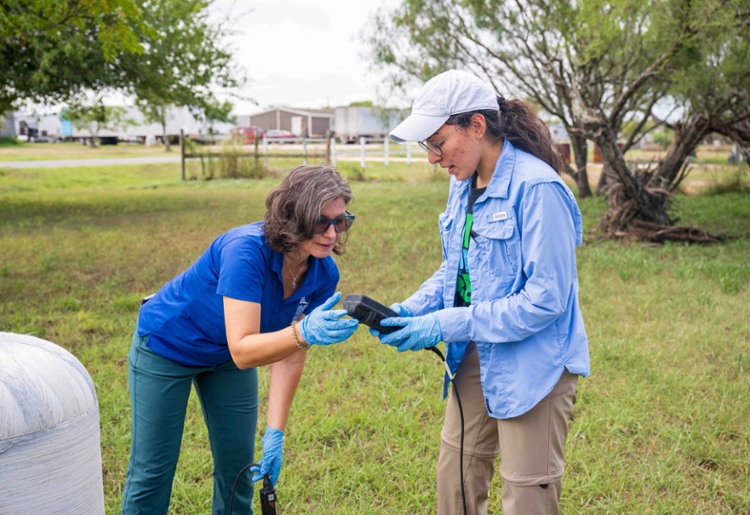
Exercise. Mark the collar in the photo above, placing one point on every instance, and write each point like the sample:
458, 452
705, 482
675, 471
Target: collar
500, 181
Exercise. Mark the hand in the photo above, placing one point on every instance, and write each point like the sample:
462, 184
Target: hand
324, 326
418, 332
402, 311
273, 456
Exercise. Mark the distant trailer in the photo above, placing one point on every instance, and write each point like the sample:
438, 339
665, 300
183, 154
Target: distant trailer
353, 123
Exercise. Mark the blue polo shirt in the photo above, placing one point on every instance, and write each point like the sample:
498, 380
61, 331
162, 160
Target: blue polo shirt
185, 319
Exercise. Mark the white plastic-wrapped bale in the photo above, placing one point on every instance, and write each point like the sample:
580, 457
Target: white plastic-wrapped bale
50, 460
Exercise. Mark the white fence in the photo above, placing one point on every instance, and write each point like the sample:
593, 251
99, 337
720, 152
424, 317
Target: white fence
390, 149
370, 149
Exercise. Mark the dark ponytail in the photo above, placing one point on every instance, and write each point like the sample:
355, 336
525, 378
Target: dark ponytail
518, 124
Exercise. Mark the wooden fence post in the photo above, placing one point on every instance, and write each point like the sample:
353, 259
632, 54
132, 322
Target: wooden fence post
182, 152
328, 146
408, 153
333, 152
362, 149
385, 142
304, 151
256, 141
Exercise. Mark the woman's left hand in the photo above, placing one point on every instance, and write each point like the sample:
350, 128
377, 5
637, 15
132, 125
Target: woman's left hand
273, 456
418, 332
325, 326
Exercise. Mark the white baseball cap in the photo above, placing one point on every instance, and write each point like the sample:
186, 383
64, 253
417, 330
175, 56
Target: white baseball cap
449, 93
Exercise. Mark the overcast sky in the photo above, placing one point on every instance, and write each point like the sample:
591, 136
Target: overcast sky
302, 53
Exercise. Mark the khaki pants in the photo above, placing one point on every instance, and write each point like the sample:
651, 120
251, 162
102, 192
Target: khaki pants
530, 445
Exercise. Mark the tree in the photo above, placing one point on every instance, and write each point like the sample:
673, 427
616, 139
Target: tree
164, 52
711, 85
706, 69
53, 50
560, 55
96, 117
598, 66
517, 48
183, 63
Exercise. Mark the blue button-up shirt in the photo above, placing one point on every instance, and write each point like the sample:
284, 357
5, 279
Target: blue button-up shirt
524, 314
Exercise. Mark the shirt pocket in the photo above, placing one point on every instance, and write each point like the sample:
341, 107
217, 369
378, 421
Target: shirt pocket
499, 243
446, 224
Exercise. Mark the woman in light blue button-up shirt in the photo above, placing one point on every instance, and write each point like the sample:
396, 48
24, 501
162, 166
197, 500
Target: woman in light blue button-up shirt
505, 298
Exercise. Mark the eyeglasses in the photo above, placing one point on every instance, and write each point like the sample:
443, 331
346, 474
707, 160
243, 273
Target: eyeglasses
340, 224
429, 146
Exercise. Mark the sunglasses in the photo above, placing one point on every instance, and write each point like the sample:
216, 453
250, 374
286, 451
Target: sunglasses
429, 146
340, 224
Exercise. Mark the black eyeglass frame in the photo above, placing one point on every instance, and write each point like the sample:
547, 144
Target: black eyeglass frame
332, 222
429, 146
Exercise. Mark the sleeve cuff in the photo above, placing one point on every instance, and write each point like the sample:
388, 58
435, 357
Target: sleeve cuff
454, 324
412, 306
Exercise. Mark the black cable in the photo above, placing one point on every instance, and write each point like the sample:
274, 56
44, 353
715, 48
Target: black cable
461, 453
234, 488
461, 413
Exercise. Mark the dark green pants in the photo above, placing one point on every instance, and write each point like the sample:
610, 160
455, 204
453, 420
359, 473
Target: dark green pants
159, 391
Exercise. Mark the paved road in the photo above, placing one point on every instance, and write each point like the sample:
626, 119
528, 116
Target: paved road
68, 163
116, 161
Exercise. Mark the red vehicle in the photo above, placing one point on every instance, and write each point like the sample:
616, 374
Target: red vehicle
247, 134
279, 134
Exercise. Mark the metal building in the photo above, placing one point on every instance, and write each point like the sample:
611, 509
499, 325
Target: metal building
309, 123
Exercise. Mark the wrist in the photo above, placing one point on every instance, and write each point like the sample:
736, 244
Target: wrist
299, 340
272, 437
303, 332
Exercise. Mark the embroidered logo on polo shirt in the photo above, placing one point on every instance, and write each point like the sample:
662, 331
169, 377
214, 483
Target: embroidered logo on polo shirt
303, 303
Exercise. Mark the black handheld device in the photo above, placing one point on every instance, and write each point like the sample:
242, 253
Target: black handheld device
369, 312
268, 498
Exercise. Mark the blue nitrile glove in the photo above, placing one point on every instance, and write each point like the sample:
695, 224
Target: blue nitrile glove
325, 326
398, 308
418, 332
273, 456
401, 310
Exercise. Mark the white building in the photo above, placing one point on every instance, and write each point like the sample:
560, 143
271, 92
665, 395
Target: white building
50, 126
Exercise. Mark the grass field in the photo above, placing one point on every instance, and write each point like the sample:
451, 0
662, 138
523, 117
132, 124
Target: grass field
54, 151
661, 426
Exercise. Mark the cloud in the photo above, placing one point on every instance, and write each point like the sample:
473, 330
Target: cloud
286, 14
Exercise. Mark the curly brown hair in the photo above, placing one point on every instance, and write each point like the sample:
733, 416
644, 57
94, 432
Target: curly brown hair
293, 207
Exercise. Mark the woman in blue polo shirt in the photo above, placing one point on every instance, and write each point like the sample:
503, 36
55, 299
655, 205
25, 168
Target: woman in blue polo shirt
505, 298
260, 294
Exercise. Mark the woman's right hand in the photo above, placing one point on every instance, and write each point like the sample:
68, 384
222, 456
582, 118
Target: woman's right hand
402, 311
325, 326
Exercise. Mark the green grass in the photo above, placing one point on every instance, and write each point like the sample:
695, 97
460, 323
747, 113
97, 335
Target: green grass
661, 426
6, 141
16, 150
